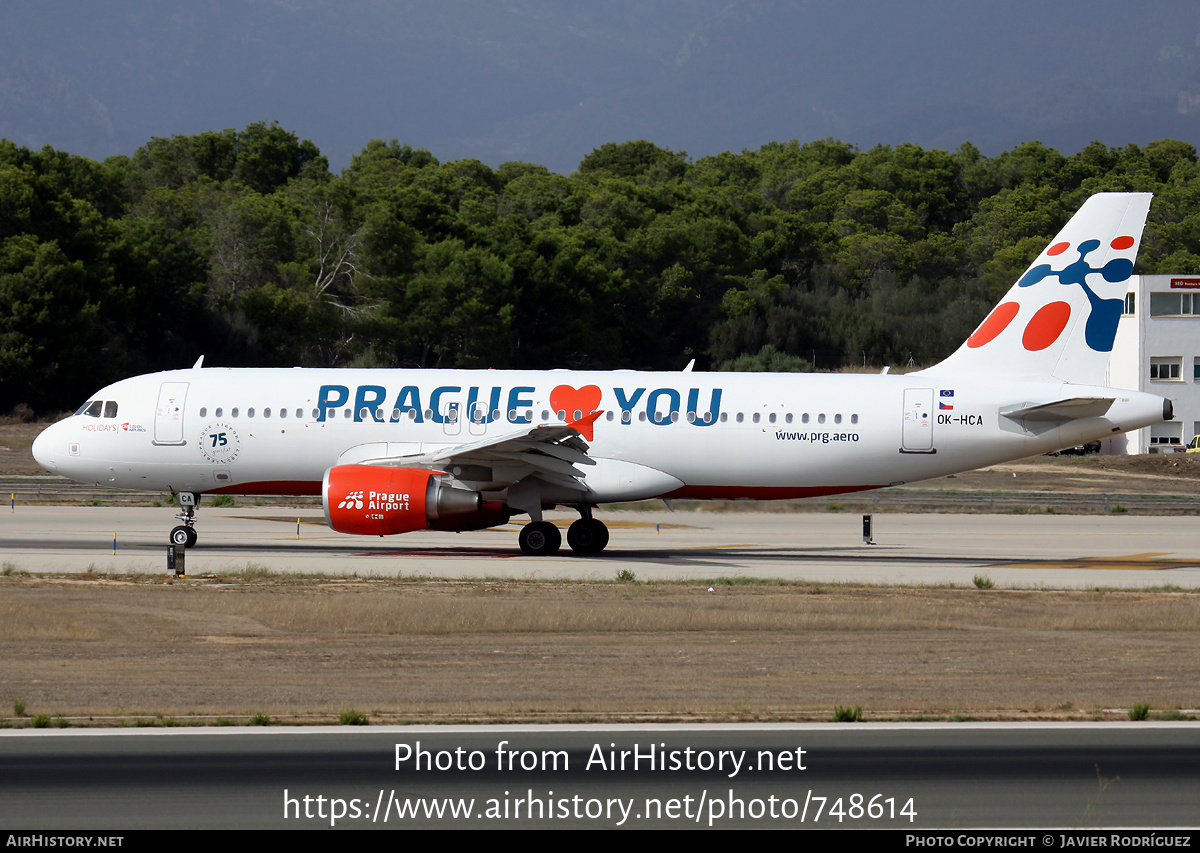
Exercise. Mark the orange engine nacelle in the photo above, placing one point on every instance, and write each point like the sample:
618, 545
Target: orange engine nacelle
376, 501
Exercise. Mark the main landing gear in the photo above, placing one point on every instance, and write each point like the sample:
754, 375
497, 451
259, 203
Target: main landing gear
185, 534
540, 539
586, 536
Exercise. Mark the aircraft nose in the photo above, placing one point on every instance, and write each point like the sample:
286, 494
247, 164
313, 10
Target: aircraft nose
46, 450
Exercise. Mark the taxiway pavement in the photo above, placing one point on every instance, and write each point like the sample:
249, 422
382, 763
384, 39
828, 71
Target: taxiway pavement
1054, 551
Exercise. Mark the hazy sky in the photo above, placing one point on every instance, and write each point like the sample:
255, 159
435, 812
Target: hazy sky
547, 82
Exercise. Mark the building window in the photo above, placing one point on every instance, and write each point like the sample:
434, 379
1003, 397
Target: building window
1162, 369
1174, 304
1130, 304
1166, 435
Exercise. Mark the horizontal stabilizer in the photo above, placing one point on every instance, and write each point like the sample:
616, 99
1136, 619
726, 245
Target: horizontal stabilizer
1070, 409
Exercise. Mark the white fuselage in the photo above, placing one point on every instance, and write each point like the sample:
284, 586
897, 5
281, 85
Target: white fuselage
704, 435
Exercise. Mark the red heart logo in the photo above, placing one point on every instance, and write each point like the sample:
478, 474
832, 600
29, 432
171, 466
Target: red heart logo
577, 403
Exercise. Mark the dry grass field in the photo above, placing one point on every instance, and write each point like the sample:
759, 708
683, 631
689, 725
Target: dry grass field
307, 649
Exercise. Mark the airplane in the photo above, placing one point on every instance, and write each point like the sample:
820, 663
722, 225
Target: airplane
392, 451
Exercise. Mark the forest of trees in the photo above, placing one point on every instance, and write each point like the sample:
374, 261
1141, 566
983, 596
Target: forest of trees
243, 247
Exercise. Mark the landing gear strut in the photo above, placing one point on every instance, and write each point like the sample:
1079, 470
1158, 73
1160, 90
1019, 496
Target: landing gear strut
185, 534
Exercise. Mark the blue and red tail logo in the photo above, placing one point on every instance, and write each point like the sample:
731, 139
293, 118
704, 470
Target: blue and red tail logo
1048, 322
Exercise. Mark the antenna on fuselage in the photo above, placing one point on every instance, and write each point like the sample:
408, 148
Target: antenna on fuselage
690, 365
199, 363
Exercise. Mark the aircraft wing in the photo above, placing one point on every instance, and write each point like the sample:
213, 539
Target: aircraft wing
551, 452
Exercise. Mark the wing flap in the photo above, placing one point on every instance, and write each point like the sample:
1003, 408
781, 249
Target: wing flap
549, 451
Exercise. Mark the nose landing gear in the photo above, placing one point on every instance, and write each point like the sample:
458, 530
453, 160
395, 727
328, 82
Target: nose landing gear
185, 534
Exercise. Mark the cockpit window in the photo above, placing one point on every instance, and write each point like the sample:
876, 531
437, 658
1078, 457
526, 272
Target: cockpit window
110, 409
91, 408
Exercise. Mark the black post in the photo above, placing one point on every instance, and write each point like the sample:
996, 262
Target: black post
176, 560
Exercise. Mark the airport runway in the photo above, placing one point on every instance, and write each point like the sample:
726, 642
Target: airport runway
1030, 551
879, 776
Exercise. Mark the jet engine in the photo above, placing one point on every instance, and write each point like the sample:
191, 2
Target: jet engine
374, 500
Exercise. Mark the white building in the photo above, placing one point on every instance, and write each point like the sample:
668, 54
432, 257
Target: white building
1157, 350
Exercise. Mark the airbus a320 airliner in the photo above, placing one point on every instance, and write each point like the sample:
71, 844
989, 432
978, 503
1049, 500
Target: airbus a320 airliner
392, 451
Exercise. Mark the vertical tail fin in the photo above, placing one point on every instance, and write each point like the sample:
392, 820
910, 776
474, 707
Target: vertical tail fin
1060, 318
